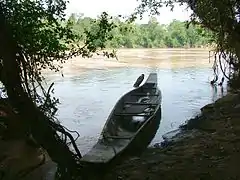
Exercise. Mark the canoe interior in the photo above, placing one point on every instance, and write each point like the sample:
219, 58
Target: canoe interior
127, 120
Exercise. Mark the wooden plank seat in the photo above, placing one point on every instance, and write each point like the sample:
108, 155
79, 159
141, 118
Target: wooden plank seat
131, 114
143, 94
149, 87
135, 109
117, 137
137, 103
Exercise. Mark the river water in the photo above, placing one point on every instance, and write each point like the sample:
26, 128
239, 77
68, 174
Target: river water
91, 88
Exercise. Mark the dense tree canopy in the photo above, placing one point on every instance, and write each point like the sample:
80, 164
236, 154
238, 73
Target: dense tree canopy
34, 35
150, 35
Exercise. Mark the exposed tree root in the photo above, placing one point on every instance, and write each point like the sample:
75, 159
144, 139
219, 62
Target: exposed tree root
36, 112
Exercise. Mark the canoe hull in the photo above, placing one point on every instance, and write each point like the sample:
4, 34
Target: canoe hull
112, 147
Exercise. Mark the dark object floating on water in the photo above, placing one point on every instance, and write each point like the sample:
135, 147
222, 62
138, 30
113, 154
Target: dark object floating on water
139, 81
131, 125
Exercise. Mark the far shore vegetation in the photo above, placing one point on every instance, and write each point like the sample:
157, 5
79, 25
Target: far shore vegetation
176, 34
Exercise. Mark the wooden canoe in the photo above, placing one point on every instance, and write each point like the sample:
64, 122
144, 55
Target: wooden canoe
131, 125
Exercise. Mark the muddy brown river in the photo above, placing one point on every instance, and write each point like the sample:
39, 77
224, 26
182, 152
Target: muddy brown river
91, 87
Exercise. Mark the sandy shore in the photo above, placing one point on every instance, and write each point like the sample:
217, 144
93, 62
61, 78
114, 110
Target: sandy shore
138, 58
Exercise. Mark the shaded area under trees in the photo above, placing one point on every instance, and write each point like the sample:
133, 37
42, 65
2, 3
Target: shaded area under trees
33, 37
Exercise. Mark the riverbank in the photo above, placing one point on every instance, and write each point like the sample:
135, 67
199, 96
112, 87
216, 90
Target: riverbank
19, 160
165, 58
207, 148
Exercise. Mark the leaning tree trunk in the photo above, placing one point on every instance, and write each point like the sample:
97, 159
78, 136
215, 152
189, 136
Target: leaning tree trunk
236, 44
30, 115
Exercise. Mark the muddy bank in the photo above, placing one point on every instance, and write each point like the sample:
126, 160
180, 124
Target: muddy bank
207, 148
20, 156
19, 160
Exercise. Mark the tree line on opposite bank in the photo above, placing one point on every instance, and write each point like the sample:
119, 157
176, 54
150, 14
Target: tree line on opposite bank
176, 34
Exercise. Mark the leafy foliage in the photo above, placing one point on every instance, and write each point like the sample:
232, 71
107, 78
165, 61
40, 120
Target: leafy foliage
40, 34
222, 17
150, 35
42, 37
34, 35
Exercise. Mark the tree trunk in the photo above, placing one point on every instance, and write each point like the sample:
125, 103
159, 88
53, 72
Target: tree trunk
30, 115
